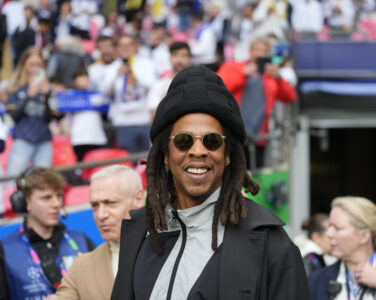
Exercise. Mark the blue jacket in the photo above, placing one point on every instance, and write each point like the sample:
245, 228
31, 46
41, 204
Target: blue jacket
27, 279
31, 117
318, 281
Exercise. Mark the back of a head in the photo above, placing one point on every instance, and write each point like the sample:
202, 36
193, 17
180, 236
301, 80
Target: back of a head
315, 223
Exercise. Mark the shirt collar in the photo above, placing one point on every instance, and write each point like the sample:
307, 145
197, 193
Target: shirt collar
195, 216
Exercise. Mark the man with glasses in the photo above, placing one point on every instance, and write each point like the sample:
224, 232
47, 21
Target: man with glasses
198, 237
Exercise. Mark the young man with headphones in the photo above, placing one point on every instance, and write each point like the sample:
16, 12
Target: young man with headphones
34, 258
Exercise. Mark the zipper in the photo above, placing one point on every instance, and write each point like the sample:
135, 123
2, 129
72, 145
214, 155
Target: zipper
180, 254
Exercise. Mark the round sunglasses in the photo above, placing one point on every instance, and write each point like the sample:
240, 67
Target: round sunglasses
183, 141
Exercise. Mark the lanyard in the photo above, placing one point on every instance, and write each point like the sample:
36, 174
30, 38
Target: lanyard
35, 257
352, 287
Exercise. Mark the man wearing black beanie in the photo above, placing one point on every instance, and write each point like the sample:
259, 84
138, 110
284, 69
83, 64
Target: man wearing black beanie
198, 237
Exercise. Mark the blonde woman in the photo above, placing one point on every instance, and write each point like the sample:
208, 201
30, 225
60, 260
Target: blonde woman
352, 234
29, 109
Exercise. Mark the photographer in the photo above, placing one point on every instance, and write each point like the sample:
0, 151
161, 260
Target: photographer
29, 108
256, 84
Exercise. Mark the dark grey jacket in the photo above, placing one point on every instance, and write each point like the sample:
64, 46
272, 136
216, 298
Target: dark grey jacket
258, 261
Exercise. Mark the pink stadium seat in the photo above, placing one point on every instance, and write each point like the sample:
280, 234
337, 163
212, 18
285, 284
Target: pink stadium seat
77, 195
5, 154
102, 154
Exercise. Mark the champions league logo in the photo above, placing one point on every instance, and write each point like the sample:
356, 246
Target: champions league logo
33, 273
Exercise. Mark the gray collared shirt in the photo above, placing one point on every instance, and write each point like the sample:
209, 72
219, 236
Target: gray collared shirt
197, 252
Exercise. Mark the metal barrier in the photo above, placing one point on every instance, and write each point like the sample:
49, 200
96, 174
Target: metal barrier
87, 165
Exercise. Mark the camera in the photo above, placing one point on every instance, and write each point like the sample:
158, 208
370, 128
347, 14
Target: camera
261, 61
125, 60
39, 75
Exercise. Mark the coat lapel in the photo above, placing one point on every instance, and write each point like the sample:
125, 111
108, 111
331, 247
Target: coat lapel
103, 271
243, 254
133, 232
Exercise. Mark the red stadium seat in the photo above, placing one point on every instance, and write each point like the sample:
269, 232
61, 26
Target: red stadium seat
100, 155
63, 153
77, 195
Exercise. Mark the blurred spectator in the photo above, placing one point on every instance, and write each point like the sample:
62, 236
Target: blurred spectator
130, 8
114, 26
34, 258
29, 108
63, 21
307, 16
15, 16
159, 11
114, 191
82, 10
98, 71
272, 17
157, 50
44, 11
3, 36
180, 59
4, 87
44, 36
256, 85
217, 11
203, 43
339, 14
24, 35
352, 236
66, 59
86, 130
185, 9
242, 24
129, 78
316, 249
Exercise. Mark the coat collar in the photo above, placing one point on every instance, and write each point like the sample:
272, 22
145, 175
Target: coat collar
243, 237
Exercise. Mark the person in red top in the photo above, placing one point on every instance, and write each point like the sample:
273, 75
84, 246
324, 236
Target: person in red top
256, 85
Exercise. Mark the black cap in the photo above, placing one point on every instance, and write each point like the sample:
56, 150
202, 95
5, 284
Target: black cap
197, 89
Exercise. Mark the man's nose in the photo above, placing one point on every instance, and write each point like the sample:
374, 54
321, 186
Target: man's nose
198, 149
102, 212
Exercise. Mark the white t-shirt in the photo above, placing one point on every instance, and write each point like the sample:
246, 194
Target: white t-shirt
157, 92
135, 111
87, 128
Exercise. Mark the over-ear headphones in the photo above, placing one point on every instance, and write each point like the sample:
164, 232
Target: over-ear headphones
17, 199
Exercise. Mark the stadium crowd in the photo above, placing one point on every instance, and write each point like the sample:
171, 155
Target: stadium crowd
95, 72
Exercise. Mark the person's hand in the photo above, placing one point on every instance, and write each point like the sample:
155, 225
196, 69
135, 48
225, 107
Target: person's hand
365, 274
125, 69
51, 297
33, 89
250, 69
272, 70
44, 87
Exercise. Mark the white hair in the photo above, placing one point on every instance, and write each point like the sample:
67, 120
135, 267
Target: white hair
127, 174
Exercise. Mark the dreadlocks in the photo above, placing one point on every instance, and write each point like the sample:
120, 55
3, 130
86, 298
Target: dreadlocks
230, 206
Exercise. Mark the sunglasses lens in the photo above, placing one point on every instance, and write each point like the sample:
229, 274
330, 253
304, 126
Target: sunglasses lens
183, 141
212, 141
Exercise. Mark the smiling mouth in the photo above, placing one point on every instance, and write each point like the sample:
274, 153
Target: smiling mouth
197, 171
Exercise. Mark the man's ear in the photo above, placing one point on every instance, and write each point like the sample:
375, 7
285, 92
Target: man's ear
227, 159
140, 199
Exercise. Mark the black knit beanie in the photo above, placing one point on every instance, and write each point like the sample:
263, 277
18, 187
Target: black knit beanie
197, 89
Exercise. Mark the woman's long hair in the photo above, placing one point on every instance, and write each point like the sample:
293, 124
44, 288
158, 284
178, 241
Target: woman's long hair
19, 77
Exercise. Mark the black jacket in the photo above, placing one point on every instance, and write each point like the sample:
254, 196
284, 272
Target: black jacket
259, 261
